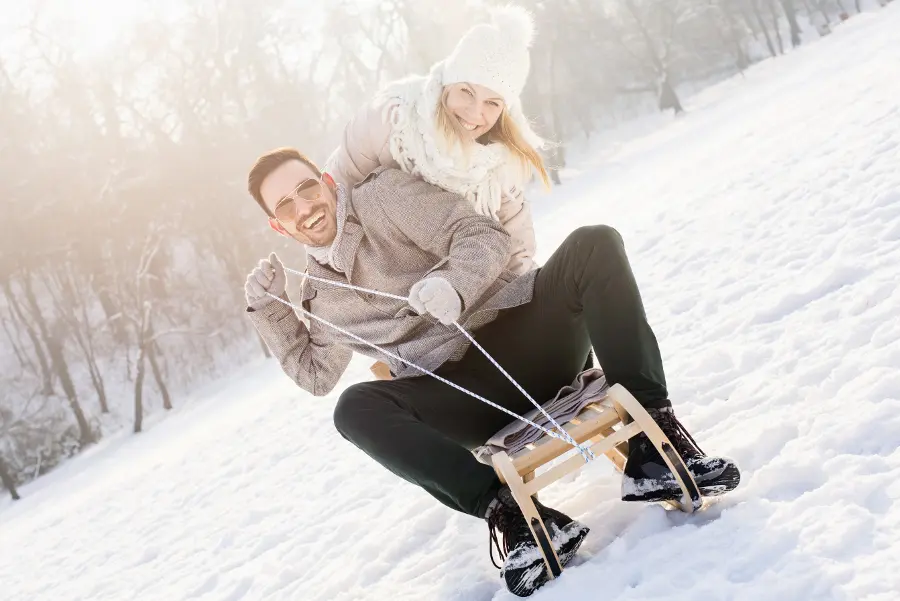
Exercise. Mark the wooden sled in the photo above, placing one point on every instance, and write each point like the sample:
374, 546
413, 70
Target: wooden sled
608, 425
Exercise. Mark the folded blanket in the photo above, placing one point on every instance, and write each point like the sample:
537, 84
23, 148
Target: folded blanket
589, 387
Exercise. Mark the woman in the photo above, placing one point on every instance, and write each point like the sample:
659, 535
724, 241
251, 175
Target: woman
460, 127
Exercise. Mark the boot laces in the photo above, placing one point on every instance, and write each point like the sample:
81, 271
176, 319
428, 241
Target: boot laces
496, 523
676, 432
509, 523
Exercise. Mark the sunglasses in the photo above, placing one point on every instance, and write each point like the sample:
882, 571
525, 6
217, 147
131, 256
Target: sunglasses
308, 190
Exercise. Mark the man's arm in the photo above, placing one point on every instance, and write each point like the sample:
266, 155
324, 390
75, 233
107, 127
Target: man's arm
434, 219
315, 365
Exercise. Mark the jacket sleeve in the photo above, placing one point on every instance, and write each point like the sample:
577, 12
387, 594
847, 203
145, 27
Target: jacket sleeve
515, 216
364, 146
434, 219
313, 363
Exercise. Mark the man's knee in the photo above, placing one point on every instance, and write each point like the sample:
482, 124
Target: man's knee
588, 237
353, 408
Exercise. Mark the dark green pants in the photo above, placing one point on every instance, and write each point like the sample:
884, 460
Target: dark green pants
423, 430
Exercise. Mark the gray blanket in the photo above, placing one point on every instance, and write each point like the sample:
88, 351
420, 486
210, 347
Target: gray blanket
589, 387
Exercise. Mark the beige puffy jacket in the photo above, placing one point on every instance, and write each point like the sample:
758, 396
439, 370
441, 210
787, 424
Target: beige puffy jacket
366, 146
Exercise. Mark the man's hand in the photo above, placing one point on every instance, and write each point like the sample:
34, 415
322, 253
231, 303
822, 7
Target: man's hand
267, 277
436, 296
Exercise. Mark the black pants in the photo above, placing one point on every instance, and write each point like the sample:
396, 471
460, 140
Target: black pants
423, 430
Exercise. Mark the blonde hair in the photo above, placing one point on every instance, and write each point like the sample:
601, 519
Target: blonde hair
505, 131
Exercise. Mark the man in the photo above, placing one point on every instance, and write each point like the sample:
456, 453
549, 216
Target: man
397, 234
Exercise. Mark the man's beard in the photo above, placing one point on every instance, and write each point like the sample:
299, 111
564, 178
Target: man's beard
325, 232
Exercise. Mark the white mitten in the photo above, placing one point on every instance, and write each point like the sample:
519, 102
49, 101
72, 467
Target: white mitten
436, 296
267, 277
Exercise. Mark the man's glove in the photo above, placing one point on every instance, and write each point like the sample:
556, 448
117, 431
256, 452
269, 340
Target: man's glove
436, 296
267, 277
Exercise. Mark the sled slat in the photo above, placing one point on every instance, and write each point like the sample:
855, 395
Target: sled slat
573, 463
552, 448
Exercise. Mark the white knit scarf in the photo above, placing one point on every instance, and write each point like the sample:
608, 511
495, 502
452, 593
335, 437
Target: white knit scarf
482, 173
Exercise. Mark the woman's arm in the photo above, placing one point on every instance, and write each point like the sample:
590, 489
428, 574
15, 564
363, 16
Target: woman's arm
515, 217
364, 146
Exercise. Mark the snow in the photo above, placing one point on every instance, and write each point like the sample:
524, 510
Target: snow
764, 229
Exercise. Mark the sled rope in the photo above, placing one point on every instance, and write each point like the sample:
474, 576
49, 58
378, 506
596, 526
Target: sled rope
586, 453
432, 374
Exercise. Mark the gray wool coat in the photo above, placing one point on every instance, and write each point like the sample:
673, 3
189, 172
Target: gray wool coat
398, 230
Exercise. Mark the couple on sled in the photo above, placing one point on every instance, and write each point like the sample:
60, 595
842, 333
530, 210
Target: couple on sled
423, 200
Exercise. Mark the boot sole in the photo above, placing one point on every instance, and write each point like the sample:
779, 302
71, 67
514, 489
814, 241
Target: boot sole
713, 486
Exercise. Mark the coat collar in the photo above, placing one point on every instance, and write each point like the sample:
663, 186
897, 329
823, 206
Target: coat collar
346, 243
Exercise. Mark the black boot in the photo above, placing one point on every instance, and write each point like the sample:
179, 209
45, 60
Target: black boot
648, 478
523, 568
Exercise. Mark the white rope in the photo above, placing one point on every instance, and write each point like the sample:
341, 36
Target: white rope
422, 369
350, 286
563, 435
585, 451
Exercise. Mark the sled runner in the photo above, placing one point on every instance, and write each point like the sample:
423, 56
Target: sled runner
607, 426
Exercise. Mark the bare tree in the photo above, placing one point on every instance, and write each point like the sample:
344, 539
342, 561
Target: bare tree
776, 28
7, 479
790, 11
72, 306
55, 345
37, 345
657, 24
761, 23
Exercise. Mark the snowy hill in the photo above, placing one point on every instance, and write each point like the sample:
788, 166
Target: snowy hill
764, 228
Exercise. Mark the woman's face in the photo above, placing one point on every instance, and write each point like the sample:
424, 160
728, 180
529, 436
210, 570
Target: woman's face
476, 107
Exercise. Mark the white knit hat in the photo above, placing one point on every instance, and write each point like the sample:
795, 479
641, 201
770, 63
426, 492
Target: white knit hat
495, 55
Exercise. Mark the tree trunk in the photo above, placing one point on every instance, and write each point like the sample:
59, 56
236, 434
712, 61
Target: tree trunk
762, 26
858, 7
157, 375
667, 96
732, 37
21, 356
97, 381
8, 481
559, 150
35, 307
790, 12
821, 6
113, 316
752, 23
67, 285
139, 393
55, 348
773, 9
46, 373
668, 99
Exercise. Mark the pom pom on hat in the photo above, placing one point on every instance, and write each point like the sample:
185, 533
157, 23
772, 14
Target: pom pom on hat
495, 55
515, 23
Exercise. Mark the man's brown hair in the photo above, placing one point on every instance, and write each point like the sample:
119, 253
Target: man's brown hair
268, 163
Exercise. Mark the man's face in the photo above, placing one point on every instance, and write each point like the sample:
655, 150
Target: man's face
305, 207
